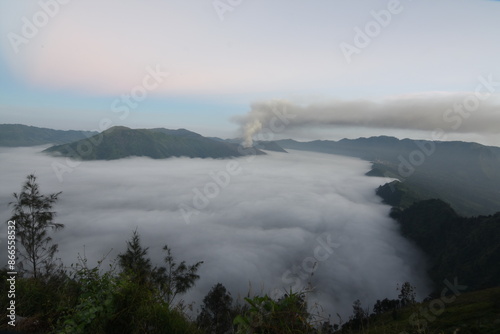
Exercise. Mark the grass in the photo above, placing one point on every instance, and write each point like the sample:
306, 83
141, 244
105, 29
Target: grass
473, 312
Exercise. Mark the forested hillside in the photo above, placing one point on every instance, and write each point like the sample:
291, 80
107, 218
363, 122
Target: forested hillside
15, 135
121, 142
461, 173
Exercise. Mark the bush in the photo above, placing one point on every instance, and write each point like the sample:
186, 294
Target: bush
283, 316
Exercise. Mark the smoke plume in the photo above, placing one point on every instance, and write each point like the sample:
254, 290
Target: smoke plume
449, 112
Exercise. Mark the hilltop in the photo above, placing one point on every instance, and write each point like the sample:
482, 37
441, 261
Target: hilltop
121, 142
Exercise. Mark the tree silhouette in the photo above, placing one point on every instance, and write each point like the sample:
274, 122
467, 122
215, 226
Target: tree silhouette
175, 278
134, 261
33, 215
407, 294
216, 312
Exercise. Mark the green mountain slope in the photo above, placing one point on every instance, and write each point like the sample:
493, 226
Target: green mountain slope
17, 135
121, 142
463, 174
399, 195
463, 256
456, 246
464, 313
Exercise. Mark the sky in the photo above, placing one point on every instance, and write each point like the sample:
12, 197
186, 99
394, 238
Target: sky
205, 64
270, 224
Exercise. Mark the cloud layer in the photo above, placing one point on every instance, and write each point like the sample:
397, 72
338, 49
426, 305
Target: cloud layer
474, 112
265, 228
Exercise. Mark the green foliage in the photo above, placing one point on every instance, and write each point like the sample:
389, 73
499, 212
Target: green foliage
129, 297
124, 303
134, 261
470, 313
92, 301
38, 300
158, 318
164, 283
216, 316
175, 278
94, 304
132, 301
385, 305
359, 319
34, 217
267, 316
407, 294
466, 248
399, 195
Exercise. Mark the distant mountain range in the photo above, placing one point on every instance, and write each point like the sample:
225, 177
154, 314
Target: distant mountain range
437, 183
466, 175
121, 142
16, 135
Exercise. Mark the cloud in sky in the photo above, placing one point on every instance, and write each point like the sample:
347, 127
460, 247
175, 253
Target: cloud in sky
70, 71
260, 47
262, 228
473, 112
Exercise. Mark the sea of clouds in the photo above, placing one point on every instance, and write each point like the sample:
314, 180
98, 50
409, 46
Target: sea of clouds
300, 220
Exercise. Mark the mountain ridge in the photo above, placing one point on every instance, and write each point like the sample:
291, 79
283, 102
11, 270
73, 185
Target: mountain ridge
456, 246
464, 174
122, 142
20, 135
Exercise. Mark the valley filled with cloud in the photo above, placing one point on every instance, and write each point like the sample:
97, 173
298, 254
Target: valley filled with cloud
300, 220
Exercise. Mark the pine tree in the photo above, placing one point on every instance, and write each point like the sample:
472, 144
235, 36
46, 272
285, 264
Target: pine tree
216, 312
134, 261
34, 217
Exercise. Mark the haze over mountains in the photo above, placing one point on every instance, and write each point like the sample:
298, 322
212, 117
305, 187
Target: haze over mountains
15, 135
268, 218
461, 173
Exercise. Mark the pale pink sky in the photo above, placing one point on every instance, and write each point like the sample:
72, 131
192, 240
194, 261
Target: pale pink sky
91, 50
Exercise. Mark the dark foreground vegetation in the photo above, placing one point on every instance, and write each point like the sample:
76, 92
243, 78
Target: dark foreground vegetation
133, 295
94, 301
466, 247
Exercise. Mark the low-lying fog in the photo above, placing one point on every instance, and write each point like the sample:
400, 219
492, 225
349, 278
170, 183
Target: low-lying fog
270, 224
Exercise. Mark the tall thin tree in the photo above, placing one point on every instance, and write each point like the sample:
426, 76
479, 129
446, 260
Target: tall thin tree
176, 278
34, 217
135, 261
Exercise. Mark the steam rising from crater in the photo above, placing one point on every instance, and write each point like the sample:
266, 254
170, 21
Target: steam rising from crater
474, 112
